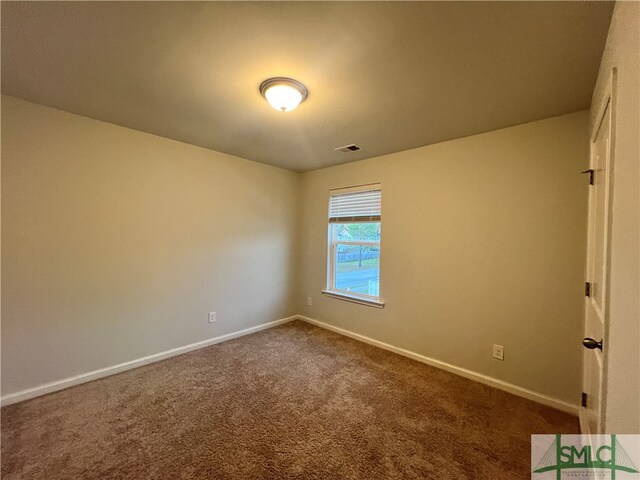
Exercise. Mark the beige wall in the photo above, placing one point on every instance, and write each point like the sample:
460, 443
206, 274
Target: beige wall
622, 386
483, 242
117, 243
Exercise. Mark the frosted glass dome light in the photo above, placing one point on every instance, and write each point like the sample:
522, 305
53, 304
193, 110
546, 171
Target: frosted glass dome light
283, 94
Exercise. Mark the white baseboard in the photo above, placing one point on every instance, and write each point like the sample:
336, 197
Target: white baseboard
122, 367
463, 372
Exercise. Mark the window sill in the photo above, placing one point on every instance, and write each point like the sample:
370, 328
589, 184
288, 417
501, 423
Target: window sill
354, 299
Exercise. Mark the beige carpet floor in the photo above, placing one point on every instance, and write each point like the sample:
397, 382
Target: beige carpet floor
292, 402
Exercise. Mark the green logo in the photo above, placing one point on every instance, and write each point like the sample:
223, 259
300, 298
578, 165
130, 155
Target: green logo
605, 456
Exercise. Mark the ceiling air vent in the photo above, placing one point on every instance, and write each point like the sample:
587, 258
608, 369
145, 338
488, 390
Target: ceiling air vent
348, 148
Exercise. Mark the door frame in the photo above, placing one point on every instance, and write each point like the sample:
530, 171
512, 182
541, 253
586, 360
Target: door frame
607, 99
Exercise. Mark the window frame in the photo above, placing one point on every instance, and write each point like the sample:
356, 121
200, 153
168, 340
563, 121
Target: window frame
332, 245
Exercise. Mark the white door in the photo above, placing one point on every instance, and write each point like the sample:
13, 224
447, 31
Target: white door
597, 275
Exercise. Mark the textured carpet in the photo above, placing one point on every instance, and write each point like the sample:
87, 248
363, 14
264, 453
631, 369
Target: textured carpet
291, 402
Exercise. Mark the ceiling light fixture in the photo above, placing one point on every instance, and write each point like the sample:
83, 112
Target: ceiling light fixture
284, 94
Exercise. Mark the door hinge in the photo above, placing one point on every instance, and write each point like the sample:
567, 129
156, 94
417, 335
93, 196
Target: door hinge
591, 173
584, 400
587, 289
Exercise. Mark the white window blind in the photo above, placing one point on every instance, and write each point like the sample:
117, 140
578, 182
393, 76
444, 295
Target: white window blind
356, 204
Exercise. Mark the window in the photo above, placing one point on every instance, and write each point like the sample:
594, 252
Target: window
354, 244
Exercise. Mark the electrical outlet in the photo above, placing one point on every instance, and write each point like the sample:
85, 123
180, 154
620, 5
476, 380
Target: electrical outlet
498, 352
309, 301
212, 317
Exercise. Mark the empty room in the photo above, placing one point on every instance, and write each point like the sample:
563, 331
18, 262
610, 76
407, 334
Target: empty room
320, 240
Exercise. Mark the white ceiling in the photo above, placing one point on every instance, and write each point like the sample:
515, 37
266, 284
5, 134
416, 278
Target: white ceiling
387, 76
